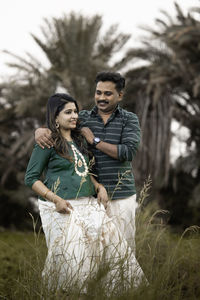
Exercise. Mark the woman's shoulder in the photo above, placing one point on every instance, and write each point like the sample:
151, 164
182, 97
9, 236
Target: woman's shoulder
44, 150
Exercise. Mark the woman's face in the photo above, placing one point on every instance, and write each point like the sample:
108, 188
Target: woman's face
68, 117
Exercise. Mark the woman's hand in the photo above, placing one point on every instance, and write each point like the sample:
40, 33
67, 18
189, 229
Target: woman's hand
43, 137
102, 195
63, 206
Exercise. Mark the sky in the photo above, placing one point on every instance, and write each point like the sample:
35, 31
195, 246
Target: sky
19, 18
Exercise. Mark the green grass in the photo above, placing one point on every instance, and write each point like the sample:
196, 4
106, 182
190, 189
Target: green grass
171, 263
21, 256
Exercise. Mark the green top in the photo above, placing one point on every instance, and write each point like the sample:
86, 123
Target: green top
59, 174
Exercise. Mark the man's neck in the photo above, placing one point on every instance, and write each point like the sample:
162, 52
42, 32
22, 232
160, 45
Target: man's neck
105, 115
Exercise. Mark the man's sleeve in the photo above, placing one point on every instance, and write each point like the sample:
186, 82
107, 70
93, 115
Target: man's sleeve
37, 163
83, 117
130, 139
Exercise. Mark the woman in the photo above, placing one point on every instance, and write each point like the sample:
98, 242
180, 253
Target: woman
79, 235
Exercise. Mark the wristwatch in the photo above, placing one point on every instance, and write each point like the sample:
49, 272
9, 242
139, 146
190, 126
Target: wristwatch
96, 140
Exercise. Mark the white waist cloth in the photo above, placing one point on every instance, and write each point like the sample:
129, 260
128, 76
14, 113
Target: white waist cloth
122, 212
82, 241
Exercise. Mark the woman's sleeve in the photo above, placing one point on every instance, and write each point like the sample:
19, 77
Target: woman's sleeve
37, 163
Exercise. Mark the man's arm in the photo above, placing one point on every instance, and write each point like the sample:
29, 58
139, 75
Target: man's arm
43, 135
107, 148
129, 140
43, 138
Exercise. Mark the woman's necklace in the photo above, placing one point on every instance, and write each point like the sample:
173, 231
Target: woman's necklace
81, 161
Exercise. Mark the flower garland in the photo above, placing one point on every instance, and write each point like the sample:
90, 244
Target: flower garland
79, 162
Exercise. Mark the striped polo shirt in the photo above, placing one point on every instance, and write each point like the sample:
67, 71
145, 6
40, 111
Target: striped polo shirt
122, 129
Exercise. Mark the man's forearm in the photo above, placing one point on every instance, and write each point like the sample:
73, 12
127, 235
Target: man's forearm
108, 149
43, 137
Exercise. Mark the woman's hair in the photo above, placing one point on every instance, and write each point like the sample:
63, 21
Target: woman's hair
55, 105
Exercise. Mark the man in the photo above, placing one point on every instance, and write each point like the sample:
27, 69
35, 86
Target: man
114, 136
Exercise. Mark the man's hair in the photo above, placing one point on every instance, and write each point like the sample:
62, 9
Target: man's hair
113, 77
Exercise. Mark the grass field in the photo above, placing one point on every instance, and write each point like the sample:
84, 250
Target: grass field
21, 256
171, 263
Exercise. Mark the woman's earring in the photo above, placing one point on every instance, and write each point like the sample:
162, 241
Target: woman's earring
57, 125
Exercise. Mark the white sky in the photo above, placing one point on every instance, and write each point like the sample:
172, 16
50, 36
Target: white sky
20, 17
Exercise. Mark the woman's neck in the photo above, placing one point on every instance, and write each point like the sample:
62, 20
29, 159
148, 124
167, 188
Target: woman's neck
66, 134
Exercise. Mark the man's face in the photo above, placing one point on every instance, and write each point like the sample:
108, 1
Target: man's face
107, 97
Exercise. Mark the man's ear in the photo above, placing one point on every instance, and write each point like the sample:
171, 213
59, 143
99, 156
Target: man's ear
121, 94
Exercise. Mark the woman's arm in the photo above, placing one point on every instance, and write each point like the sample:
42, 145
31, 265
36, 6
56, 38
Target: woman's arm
62, 206
102, 195
37, 163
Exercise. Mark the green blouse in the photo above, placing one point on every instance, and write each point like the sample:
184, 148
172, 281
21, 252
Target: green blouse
59, 174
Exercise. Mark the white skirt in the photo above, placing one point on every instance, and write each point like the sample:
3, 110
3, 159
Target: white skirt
83, 241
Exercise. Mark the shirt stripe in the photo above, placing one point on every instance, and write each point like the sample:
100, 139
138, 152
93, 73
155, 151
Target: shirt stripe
123, 130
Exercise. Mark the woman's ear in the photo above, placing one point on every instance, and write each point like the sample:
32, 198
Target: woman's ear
57, 123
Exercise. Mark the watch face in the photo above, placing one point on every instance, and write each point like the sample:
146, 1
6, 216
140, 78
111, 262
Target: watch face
96, 140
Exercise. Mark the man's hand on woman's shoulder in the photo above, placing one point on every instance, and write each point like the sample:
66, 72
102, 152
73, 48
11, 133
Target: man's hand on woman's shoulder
43, 138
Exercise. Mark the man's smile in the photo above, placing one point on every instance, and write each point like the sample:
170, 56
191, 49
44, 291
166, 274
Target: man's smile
102, 102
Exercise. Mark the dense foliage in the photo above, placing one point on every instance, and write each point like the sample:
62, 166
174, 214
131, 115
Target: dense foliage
166, 86
76, 50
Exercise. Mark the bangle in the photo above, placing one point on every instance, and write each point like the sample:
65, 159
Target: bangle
45, 194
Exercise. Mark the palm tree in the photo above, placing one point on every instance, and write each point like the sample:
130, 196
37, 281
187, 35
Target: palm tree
167, 86
76, 50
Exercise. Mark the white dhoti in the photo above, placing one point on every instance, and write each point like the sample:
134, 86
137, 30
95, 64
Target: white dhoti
81, 242
122, 213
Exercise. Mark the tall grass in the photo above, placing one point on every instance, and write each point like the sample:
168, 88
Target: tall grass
170, 262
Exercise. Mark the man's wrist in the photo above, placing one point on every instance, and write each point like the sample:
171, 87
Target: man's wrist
96, 141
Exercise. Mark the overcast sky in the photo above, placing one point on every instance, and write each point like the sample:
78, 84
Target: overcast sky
20, 17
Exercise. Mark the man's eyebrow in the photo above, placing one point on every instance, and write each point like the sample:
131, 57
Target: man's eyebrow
103, 91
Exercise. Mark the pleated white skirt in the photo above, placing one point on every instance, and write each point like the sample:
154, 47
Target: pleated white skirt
83, 241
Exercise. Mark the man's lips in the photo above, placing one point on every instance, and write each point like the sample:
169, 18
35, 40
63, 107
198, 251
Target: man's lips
102, 102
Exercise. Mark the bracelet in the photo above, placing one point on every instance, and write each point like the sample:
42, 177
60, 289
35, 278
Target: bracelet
45, 194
